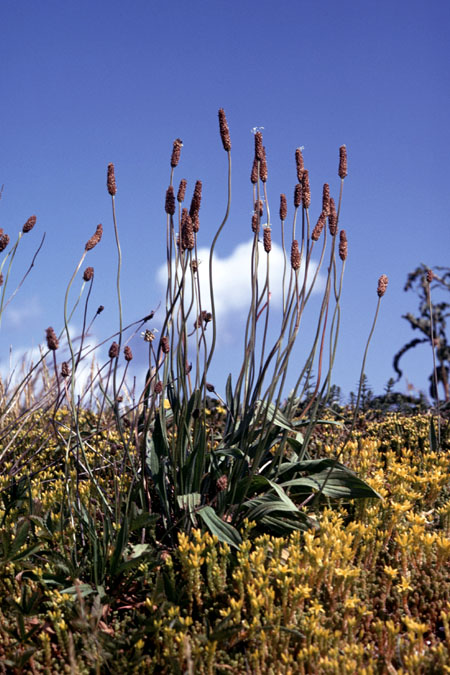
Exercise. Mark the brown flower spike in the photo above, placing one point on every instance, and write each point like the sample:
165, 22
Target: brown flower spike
65, 372
298, 195
52, 340
254, 173
430, 276
306, 191
113, 351
224, 131
317, 231
177, 145
382, 285
255, 223
267, 239
170, 201
332, 218
31, 222
94, 240
342, 171
299, 163
295, 256
187, 232
182, 190
259, 150
343, 245
283, 207
128, 353
196, 198
165, 346
111, 180
263, 166
326, 200
88, 274
4, 241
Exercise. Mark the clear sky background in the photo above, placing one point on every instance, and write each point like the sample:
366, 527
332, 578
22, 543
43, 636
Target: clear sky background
86, 83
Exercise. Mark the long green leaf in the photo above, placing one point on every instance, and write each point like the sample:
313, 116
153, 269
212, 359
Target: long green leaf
223, 531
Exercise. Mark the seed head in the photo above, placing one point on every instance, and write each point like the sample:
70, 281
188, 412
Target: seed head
332, 218
306, 192
4, 241
430, 276
65, 372
298, 195
113, 351
382, 285
326, 199
254, 173
88, 273
158, 387
195, 222
255, 223
317, 231
299, 163
177, 145
343, 246
267, 239
196, 198
224, 131
170, 201
94, 240
111, 180
194, 266
295, 256
259, 150
1, 279
342, 171
128, 354
187, 232
210, 387
259, 207
165, 346
263, 166
222, 483
31, 222
100, 309
181, 190
52, 340
283, 207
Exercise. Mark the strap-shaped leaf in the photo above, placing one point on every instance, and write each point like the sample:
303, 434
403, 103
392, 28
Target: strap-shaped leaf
223, 531
338, 485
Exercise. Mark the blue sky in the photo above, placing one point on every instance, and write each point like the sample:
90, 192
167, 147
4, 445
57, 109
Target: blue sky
87, 83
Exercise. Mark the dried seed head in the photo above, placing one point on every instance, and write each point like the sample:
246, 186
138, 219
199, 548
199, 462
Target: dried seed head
177, 145
259, 207
254, 173
181, 190
128, 354
326, 200
267, 239
1, 279
283, 207
94, 240
88, 273
210, 387
430, 276
295, 256
306, 192
194, 266
187, 232
259, 151
165, 346
170, 201
113, 351
332, 218
65, 372
52, 340
255, 223
222, 483
196, 198
4, 241
343, 245
299, 163
224, 131
100, 309
158, 387
342, 171
111, 180
317, 231
195, 222
31, 222
382, 285
148, 335
298, 195
263, 166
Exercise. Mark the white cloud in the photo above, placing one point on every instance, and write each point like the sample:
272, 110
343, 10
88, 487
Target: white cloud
231, 278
